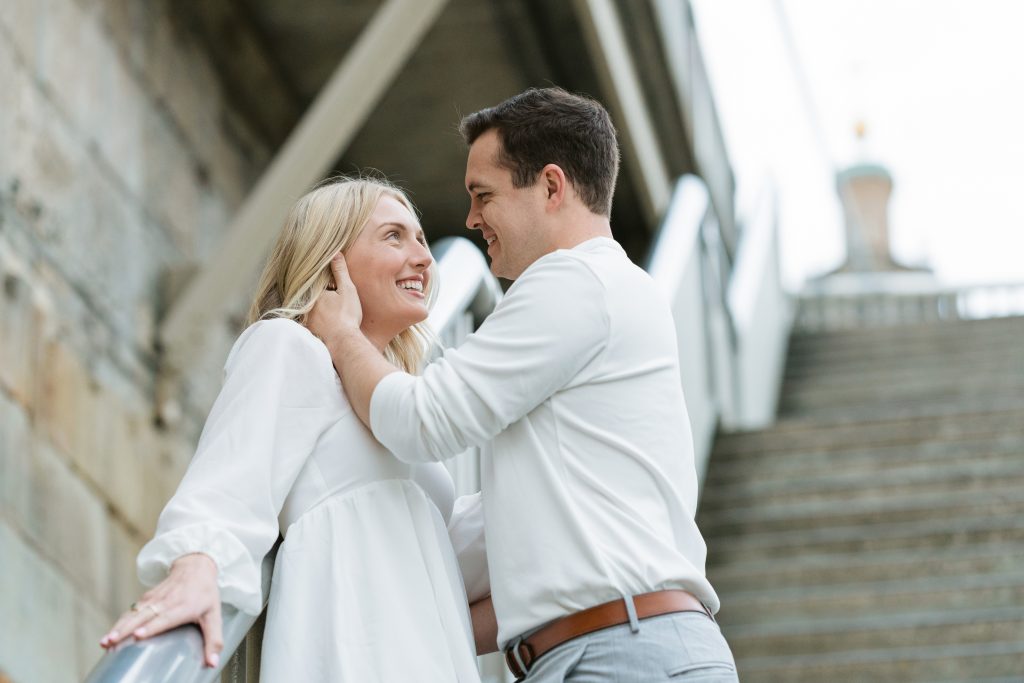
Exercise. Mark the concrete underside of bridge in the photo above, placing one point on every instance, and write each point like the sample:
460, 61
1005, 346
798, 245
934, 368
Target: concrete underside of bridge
273, 59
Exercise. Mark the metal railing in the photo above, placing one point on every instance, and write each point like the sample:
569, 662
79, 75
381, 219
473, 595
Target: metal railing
889, 299
732, 317
177, 655
467, 292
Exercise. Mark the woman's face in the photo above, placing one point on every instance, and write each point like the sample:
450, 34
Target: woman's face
389, 264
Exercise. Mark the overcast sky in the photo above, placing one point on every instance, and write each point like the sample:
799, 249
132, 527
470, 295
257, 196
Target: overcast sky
940, 87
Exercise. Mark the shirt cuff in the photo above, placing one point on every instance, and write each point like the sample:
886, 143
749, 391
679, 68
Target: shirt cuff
238, 576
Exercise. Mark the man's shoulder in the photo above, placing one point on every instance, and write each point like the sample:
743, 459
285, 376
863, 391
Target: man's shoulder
596, 258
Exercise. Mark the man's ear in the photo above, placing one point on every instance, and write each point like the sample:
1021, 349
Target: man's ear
555, 184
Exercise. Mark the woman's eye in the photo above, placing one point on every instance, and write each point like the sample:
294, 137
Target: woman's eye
393, 235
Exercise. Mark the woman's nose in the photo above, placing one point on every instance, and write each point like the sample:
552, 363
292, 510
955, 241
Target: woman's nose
421, 257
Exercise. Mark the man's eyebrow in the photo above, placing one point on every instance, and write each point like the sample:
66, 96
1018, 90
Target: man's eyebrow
474, 186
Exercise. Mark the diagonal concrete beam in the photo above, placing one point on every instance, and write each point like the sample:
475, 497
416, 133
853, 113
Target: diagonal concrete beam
610, 53
349, 96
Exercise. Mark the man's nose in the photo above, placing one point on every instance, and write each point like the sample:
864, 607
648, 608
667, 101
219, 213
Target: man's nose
473, 220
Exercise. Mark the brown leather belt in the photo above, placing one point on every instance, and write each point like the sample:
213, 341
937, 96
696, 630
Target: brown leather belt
605, 615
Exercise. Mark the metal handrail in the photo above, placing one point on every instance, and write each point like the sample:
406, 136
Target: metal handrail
465, 285
855, 300
177, 655
467, 288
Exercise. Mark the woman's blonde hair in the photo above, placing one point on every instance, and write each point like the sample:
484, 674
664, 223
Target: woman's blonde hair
320, 224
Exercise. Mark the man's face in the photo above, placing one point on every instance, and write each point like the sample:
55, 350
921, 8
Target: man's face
511, 219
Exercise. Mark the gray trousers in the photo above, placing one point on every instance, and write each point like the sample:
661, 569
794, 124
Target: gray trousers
679, 647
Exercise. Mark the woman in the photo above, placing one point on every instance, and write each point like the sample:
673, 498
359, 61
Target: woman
366, 584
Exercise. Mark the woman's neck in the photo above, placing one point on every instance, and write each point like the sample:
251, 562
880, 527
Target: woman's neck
379, 338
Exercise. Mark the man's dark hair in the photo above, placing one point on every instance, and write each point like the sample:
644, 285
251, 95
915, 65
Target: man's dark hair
551, 126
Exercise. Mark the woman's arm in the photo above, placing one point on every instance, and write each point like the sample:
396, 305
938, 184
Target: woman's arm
279, 395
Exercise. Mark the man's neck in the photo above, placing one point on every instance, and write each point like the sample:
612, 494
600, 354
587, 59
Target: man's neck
580, 226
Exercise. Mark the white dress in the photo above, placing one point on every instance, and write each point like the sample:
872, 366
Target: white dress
366, 585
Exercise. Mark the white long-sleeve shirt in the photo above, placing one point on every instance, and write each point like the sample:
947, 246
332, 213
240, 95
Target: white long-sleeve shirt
571, 388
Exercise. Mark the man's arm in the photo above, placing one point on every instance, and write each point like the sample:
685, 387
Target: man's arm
540, 340
335, 318
485, 626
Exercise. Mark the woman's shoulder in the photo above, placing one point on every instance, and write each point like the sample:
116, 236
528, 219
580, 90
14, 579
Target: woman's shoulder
283, 340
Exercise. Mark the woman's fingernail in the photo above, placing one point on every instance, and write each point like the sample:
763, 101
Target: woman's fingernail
140, 632
214, 660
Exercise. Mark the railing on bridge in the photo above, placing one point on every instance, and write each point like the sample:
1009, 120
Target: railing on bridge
885, 299
732, 316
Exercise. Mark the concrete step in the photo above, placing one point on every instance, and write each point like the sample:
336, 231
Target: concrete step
839, 434
903, 536
837, 568
945, 329
874, 598
996, 332
996, 662
827, 386
869, 461
880, 368
923, 628
985, 363
963, 394
839, 487
983, 353
881, 408
1007, 498
876, 532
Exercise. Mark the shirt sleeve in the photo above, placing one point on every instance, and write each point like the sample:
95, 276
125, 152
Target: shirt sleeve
276, 401
552, 323
466, 531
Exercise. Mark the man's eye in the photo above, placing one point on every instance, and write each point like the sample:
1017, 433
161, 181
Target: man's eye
482, 196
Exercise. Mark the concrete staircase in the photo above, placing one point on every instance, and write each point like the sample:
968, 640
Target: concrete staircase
876, 533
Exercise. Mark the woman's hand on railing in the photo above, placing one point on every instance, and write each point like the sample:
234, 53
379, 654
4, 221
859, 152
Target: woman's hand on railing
189, 594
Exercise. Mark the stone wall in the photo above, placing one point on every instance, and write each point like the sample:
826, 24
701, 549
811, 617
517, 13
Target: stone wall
120, 161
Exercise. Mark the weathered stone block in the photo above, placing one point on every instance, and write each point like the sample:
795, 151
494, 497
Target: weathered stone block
125, 487
123, 145
69, 522
24, 21
124, 584
90, 623
18, 356
68, 50
37, 632
14, 458
127, 21
64, 406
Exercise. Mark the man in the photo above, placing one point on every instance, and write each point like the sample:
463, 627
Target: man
571, 389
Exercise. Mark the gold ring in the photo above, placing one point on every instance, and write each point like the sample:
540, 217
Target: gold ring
155, 611
134, 607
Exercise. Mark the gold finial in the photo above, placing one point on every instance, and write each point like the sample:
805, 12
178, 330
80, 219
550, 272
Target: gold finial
860, 128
